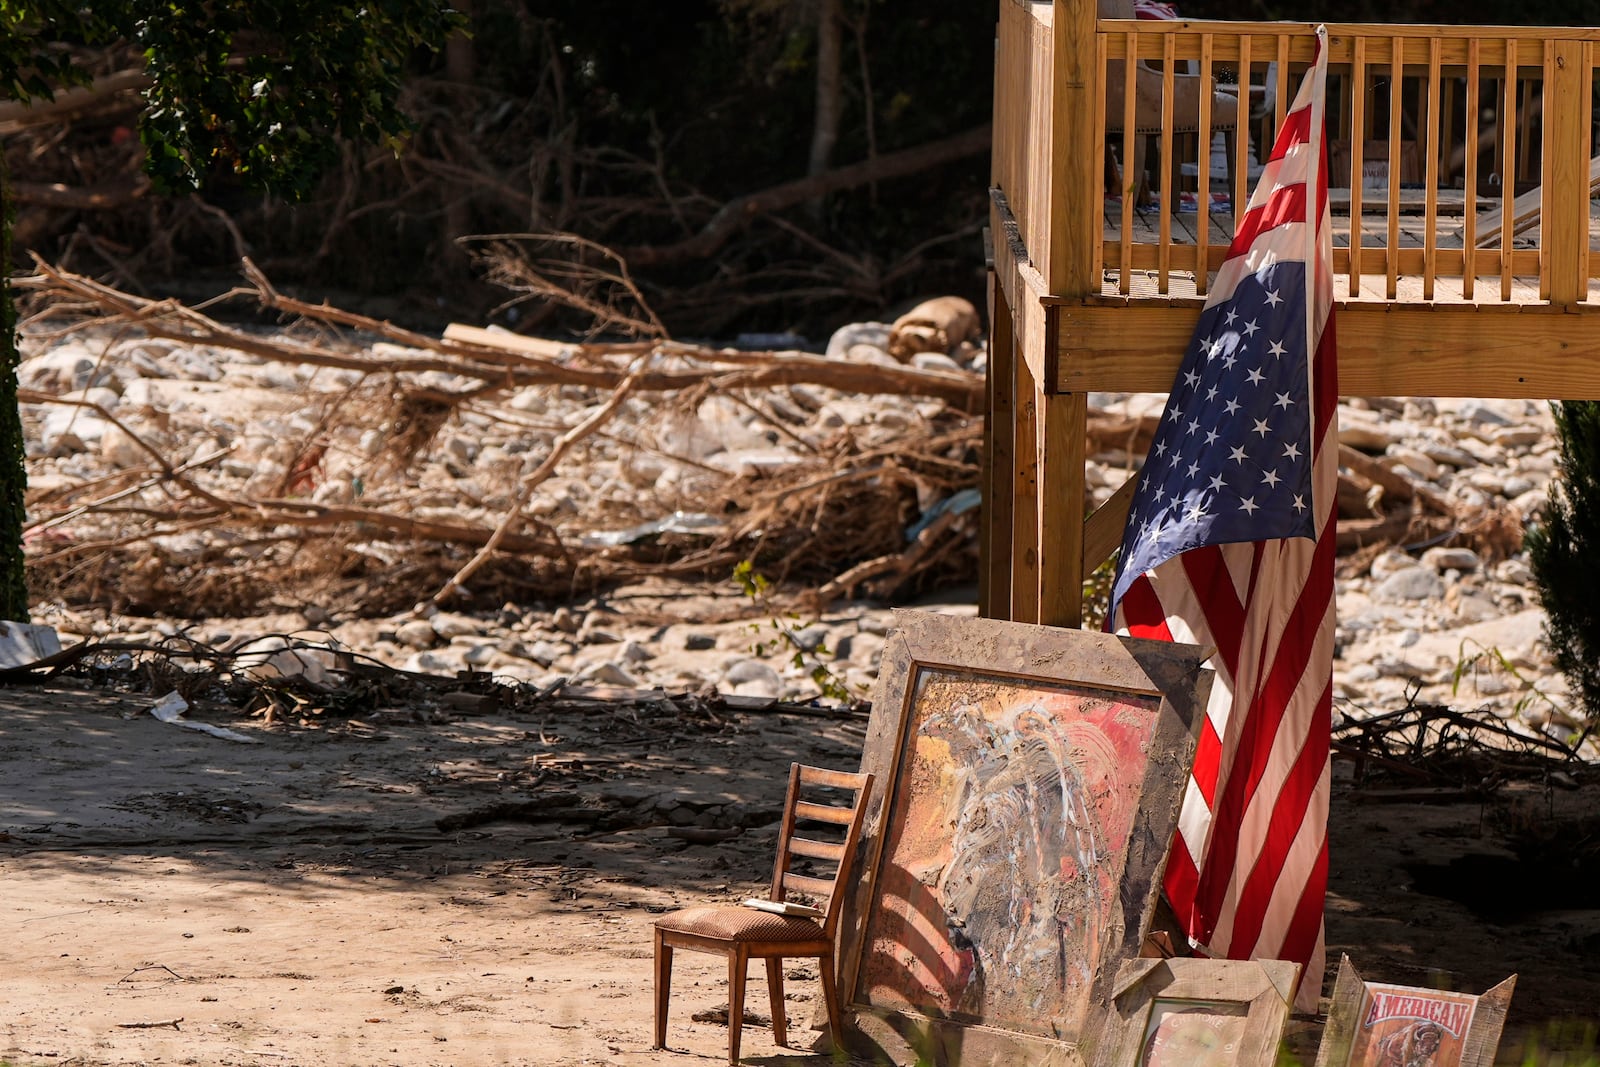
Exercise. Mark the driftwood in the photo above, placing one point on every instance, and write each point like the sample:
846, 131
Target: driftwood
496, 364
937, 325
834, 513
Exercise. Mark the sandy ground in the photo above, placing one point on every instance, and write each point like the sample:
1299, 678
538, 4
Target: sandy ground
176, 898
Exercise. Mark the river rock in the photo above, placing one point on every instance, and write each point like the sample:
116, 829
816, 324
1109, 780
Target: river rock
1450, 559
1411, 583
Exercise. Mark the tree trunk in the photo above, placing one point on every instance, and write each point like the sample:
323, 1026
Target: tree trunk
13, 473
825, 125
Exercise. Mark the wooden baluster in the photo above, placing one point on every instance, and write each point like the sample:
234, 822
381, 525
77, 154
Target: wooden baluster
1131, 176
1202, 251
1284, 87
1508, 161
1102, 148
1588, 154
1397, 70
1358, 146
1169, 195
1430, 147
1469, 208
1241, 136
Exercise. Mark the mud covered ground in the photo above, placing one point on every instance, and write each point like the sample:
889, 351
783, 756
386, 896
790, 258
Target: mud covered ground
382, 891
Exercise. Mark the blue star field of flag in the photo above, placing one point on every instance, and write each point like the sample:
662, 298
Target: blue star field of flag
1231, 460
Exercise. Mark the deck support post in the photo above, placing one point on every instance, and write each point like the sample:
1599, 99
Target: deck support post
1564, 226
999, 453
1055, 585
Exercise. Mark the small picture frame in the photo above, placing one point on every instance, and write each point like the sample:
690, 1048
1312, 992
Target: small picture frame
1197, 1013
1373, 1024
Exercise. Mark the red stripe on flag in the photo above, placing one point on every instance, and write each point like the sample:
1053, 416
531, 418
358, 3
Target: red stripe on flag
1208, 761
1296, 130
1288, 814
1324, 381
1181, 879
1285, 205
1260, 725
1142, 613
1206, 570
1306, 927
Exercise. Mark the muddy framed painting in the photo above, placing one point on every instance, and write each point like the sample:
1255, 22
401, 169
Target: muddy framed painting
1373, 1024
1031, 782
1197, 1013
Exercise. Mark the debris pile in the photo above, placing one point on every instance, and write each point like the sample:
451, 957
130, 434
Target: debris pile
337, 468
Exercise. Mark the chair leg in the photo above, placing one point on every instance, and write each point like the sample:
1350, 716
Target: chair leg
738, 964
663, 987
830, 997
780, 1024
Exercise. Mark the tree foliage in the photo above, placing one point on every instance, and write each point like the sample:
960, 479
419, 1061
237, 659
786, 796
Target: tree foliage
1563, 551
254, 90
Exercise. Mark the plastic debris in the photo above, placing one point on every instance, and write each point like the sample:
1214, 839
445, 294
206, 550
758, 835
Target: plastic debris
170, 708
681, 522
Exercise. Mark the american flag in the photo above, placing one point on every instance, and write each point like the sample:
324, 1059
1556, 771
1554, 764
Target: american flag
1230, 544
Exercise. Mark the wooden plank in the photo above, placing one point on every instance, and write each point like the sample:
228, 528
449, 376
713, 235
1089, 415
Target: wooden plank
1430, 148
1130, 186
1524, 211
1097, 265
1532, 352
804, 809
1021, 282
1203, 169
1025, 494
1358, 127
1469, 209
1241, 133
1102, 531
1169, 170
1061, 492
1454, 40
999, 482
1507, 127
1074, 222
507, 341
1564, 235
1396, 92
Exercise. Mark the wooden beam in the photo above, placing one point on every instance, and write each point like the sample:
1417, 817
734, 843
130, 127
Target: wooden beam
1102, 531
1026, 394
1564, 233
1061, 465
1076, 170
1022, 285
1505, 351
999, 453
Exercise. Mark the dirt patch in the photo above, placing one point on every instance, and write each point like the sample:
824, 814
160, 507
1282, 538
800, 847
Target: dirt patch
179, 898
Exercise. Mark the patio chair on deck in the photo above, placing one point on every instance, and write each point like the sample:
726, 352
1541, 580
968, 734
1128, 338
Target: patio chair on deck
1186, 89
744, 933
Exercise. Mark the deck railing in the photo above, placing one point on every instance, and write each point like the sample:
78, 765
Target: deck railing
1461, 155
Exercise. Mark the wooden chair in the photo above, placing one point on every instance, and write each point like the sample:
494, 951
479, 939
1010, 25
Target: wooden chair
744, 933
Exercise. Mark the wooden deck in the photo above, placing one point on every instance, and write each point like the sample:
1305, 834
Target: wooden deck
1432, 298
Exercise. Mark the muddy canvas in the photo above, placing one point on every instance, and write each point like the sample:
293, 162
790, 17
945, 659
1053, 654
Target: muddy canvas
1014, 804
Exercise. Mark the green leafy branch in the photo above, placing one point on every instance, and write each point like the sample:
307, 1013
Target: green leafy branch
785, 627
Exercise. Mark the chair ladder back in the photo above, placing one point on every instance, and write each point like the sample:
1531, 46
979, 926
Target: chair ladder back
841, 854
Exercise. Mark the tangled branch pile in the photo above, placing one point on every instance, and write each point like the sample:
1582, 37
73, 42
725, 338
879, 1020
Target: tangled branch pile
181, 465
185, 466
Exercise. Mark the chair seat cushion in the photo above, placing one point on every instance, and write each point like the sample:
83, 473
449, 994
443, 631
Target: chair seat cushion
736, 923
